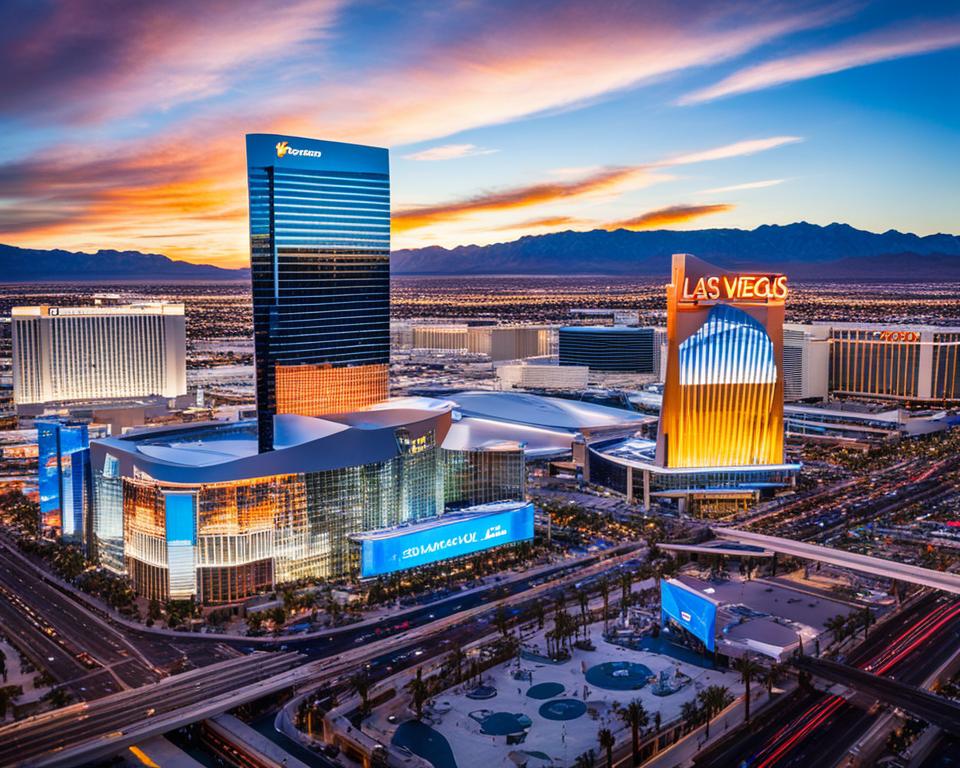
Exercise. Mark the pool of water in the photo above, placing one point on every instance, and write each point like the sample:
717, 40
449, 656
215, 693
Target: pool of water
545, 691
482, 692
665, 647
563, 709
619, 675
504, 723
429, 744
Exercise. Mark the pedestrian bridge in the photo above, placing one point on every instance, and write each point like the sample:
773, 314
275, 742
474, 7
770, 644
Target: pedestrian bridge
876, 566
936, 710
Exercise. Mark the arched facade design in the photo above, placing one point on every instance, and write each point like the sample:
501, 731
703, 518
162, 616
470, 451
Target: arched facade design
728, 379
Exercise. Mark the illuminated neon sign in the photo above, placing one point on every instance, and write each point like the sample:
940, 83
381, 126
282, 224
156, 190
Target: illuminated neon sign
760, 288
899, 336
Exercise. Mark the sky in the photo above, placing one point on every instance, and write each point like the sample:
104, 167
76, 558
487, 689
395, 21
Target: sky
123, 122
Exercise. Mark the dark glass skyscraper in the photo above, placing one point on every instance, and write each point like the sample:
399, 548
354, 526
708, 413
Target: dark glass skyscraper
320, 264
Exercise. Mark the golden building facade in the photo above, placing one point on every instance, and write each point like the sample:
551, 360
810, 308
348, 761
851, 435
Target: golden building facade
723, 390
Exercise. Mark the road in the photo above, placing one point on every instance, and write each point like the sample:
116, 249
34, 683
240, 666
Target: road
23, 742
816, 728
336, 654
51, 628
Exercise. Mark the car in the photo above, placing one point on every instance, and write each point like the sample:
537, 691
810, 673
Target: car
151, 712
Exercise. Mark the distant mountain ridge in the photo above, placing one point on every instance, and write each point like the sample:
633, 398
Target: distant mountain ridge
21, 265
801, 250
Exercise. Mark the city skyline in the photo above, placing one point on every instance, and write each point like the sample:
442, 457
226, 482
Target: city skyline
131, 134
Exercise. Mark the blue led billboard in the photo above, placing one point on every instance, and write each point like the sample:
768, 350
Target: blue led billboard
695, 613
425, 544
180, 518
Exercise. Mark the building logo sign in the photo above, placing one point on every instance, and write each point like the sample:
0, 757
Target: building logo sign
284, 149
421, 544
911, 337
687, 618
758, 288
433, 547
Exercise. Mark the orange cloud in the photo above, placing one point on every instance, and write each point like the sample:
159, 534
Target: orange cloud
675, 214
546, 221
519, 197
172, 182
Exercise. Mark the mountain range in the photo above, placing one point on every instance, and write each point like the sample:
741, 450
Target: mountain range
802, 251
29, 265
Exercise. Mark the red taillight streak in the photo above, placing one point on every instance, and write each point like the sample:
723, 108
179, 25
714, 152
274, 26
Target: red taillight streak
833, 704
926, 636
928, 625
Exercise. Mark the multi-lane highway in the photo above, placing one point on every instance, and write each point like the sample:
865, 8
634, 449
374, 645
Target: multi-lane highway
113, 721
817, 728
110, 719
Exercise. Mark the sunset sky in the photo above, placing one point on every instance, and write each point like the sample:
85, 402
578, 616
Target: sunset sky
123, 122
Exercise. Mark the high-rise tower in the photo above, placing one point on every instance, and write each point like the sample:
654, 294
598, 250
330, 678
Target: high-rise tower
723, 394
320, 268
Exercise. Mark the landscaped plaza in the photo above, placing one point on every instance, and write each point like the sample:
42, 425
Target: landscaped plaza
536, 712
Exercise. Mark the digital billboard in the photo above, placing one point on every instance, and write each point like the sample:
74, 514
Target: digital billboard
692, 611
454, 536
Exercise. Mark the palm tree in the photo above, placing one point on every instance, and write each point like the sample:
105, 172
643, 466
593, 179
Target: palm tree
361, 684
713, 699
748, 669
635, 716
626, 584
867, 618
586, 760
419, 692
607, 741
605, 594
502, 620
772, 677
691, 714
540, 612
584, 600
837, 625
457, 657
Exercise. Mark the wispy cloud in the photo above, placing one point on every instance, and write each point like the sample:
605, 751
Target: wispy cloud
737, 149
740, 187
449, 152
541, 223
86, 62
518, 197
605, 180
675, 214
885, 45
162, 92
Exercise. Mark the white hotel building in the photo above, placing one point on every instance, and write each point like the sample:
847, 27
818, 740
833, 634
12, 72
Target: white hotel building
64, 354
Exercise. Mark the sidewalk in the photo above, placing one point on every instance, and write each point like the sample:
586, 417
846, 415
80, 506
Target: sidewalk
683, 752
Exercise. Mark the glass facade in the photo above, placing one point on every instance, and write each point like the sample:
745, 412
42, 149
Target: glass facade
320, 268
483, 476
873, 362
63, 450
946, 385
604, 348
248, 535
106, 541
